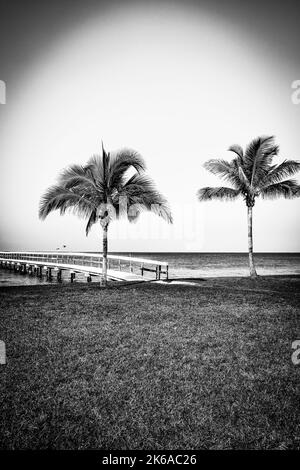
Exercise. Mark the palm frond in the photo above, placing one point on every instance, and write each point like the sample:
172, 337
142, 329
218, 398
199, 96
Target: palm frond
141, 192
162, 209
105, 166
60, 198
221, 193
92, 220
278, 172
76, 175
258, 157
95, 166
226, 170
237, 149
258, 147
287, 189
121, 161
218, 167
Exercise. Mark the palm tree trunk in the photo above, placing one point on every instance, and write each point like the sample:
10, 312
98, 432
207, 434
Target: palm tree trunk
104, 254
253, 272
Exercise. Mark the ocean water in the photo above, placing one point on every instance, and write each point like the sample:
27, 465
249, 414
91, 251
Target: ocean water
195, 265
8, 278
191, 265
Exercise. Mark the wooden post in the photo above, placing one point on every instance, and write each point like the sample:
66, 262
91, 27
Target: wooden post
159, 271
49, 273
167, 272
72, 276
142, 269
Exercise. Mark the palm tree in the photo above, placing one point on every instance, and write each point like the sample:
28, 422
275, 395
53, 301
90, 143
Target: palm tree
252, 174
107, 187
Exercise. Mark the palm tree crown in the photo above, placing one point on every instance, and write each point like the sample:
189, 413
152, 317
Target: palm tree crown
252, 174
102, 189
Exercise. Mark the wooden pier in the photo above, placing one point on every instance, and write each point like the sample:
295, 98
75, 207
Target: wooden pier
52, 264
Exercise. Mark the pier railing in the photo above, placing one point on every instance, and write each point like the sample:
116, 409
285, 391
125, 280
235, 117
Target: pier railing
92, 260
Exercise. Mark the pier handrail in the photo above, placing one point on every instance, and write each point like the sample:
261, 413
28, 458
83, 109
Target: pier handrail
86, 255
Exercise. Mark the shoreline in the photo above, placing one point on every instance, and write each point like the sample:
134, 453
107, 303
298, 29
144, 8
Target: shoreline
188, 281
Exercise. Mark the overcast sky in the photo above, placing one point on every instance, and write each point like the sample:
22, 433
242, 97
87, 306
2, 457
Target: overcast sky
177, 81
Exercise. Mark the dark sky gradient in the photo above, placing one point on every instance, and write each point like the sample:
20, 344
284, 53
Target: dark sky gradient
27, 28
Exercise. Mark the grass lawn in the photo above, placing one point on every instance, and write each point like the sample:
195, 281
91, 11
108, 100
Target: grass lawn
151, 366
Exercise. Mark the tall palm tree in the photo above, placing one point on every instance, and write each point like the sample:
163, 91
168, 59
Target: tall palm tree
107, 187
252, 174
